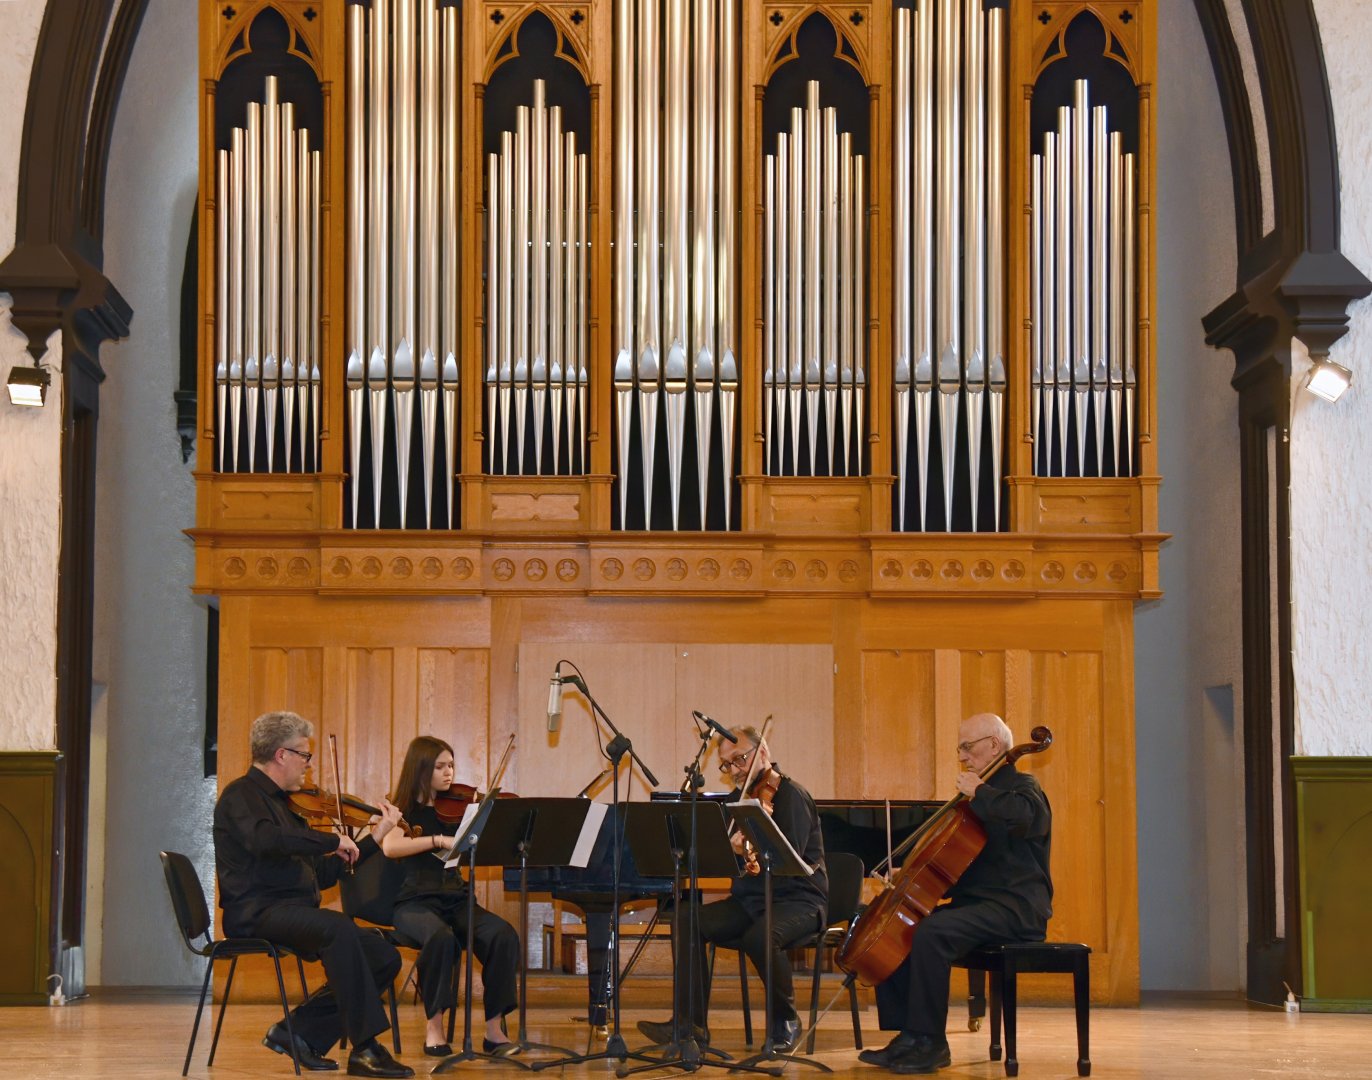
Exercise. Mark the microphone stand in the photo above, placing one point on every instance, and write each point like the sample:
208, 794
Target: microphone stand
615, 749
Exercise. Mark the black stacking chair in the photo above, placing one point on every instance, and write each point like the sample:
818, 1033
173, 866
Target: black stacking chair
193, 918
368, 894
845, 890
1005, 963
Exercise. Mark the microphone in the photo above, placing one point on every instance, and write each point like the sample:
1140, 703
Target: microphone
555, 700
715, 726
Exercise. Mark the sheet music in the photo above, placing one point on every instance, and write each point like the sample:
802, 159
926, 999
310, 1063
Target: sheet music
590, 829
453, 855
756, 804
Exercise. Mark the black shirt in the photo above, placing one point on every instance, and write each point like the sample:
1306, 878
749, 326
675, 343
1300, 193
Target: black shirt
265, 854
795, 815
425, 874
1012, 869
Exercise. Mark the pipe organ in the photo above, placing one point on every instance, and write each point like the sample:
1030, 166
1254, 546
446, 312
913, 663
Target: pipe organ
745, 351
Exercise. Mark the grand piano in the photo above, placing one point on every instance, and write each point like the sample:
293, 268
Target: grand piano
856, 826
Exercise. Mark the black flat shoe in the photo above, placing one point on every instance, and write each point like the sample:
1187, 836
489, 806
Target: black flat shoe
279, 1040
927, 1056
660, 1031
441, 1050
376, 1060
785, 1035
499, 1049
897, 1047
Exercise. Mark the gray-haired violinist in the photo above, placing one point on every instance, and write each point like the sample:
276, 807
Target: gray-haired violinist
1005, 895
798, 903
271, 866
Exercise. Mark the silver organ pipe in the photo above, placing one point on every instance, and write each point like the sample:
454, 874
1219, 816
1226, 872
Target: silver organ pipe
237, 155
649, 350
451, 173
624, 370
426, 343
727, 252
902, 167
813, 177
832, 345
271, 263
974, 245
703, 349
675, 244
996, 375
1080, 266
521, 277
494, 293
538, 283
795, 247
769, 307
557, 260
289, 271
222, 314
252, 273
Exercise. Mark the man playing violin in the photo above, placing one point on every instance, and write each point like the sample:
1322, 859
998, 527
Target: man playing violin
1005, 895
798, 903
271, 867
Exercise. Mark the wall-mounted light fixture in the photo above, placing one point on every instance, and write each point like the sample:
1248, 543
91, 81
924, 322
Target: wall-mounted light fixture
28, 385
1328, 380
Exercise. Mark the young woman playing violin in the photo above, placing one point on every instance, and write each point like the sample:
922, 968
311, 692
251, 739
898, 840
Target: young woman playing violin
431, 907
798, 903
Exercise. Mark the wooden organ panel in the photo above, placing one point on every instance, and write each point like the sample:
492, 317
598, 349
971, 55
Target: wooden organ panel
821, 527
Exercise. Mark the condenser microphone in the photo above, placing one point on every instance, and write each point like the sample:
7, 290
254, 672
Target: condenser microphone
715, 726
555, 700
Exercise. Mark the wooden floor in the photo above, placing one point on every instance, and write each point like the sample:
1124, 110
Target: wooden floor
144, 1036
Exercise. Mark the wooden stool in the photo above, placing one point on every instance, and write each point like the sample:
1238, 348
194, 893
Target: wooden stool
1005, 962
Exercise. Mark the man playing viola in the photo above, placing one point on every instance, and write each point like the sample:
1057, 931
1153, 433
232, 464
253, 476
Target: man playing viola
798, 903
1005, 895
271, 867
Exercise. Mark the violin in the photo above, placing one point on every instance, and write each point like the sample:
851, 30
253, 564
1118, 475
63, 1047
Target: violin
450, 805
764, 790
322, 808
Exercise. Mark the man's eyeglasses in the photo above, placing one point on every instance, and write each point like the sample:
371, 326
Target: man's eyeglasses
736, 762
966, 747
299, 753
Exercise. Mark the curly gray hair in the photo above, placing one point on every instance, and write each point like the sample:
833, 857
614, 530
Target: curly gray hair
273, 730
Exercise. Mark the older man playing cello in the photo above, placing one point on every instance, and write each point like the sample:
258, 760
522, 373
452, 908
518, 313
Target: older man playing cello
1005, 895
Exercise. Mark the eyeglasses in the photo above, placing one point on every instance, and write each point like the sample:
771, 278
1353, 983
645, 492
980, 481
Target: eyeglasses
966, 747
736, 762
299, 753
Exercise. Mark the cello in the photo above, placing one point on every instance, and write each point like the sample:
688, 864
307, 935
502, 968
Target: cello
940, 852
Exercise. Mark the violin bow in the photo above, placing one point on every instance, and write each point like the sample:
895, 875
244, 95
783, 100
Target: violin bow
338, 790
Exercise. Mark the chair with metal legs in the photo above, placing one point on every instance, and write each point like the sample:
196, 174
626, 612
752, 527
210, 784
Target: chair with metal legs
193, 919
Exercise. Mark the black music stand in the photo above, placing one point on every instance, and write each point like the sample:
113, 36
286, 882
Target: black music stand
776, 857
466, 844
661, 836
524, 833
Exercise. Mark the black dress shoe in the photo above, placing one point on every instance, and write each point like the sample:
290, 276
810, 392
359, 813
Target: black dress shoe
441, 1050
499, 1049
278, 1039
660, 1031
897, 1047
926, 1056
785, 1035
376, 1060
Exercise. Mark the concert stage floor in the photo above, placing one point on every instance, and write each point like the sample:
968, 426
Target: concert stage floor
120, 1036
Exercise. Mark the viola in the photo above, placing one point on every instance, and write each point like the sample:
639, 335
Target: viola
940, 853
450, 805
321, 809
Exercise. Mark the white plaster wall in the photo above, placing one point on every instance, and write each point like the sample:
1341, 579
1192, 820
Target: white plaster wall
1331, 446
1187, 646
150, 631
29, 451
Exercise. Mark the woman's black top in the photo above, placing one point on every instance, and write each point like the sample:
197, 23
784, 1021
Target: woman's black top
425, 874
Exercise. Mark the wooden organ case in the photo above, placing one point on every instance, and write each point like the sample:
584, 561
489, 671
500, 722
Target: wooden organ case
758, 357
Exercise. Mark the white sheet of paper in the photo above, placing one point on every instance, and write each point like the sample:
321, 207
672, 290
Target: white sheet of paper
448, 856
590, 829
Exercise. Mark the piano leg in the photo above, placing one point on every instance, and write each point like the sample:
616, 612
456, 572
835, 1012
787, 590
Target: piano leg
598, 971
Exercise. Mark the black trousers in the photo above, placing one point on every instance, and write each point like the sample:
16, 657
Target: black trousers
439, 925
730, 920
358, 965
915, 998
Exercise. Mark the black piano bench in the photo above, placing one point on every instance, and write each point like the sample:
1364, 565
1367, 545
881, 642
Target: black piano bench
1005, 962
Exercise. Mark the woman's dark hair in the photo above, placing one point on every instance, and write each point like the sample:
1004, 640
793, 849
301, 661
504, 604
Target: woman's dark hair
415, 785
